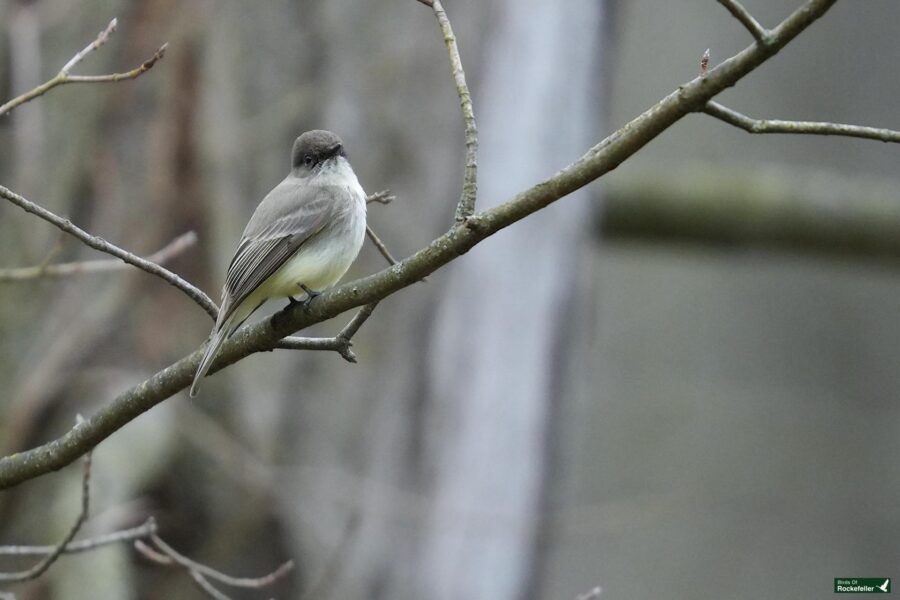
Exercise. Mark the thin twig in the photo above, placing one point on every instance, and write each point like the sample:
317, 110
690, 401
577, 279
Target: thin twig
206, 586
102, 245
382, 197
340, 343
124, 535
160, 257
759, 33
102, 37
63, 77
466, 206
336, 344
590, 594
44, 564
242, 582
750, 125
380, 246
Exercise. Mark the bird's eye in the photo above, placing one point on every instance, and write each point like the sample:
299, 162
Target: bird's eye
308, 160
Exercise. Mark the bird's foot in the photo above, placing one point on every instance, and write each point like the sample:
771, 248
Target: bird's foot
310, 294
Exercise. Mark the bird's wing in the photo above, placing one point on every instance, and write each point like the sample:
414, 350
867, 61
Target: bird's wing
265, 247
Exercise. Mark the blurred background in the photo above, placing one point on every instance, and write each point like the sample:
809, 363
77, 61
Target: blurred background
679, 382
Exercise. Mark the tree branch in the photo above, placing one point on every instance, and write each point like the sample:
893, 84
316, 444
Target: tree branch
63, 77
382, 197
102, 245
160, 257
125, 535
466, 205
462, 237
382, 249
759, 33
732, 117
44, 564
164, 554
339, 343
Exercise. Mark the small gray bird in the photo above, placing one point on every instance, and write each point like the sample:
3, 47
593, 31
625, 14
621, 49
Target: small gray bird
301, 239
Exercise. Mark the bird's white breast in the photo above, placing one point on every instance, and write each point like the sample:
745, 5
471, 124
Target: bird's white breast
324, 259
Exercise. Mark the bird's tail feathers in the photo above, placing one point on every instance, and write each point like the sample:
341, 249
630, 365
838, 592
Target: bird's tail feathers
216, 340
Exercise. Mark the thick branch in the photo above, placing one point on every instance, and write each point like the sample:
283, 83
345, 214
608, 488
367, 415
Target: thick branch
98, 243
732, 117
599, 160
160, 257
466, 205
63, 77
759, 33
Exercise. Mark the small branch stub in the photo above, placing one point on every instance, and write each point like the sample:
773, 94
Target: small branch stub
704, 63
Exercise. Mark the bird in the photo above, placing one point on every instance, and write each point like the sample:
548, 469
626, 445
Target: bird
301, 239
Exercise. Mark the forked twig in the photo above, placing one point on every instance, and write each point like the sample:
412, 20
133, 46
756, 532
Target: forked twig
63, 77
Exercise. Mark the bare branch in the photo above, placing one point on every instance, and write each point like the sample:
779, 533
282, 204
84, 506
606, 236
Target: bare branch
340, 345
380, 246
591, 594
125, 535
382, 197
160, 257
162, 548
63, 77
759, 33
42, 566
466, 206
704, 63
461, 237
102, 37
102, 245
732, 117
207, 587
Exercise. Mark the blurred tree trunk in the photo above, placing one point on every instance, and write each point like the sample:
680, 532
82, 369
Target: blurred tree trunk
502, 339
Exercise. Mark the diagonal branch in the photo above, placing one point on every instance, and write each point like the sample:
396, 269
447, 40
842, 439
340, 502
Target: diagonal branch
466, 206
63, 77
462, 237
750, 125
759, 33
373, 237
163, 554
44, 564
160, 257
98, 243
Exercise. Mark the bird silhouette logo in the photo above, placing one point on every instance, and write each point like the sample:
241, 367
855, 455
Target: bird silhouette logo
886, 586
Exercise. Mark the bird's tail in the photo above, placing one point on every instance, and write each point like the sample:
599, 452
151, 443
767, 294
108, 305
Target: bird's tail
216, 339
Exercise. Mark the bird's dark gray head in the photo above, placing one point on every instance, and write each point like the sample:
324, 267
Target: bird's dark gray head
313, 148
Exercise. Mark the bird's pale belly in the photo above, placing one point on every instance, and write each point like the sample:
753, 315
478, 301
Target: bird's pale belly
317, 265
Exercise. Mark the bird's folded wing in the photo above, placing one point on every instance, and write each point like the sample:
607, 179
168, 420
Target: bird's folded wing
267, 246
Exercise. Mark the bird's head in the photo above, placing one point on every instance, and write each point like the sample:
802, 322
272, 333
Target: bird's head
314, 149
